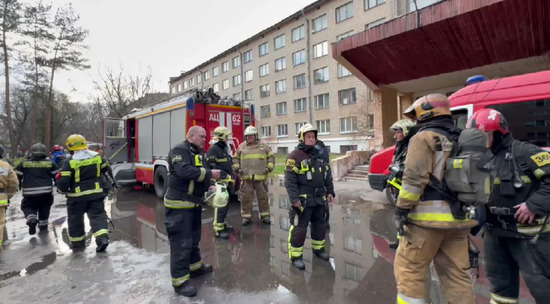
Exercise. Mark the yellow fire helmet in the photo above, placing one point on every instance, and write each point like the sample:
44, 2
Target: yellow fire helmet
222, 133
250, 130
404, 125
428, 106
76, 142
304, 129
218, 198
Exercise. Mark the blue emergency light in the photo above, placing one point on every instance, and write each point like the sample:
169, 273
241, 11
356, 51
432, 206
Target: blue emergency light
476, 79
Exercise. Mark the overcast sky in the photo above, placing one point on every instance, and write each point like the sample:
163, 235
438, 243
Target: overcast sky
170, 36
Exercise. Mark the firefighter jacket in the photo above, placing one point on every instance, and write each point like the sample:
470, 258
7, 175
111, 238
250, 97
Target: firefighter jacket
37, 176
8, 183
521, 173
254, 161
81, 176
189, 177
308, 177
218, 157
425, 162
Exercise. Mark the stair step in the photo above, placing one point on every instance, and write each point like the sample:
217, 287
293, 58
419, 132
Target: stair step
362, 168
347, 178
356, 175
359, 172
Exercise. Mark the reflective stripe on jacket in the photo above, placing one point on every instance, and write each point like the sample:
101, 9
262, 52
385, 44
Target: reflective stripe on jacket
81, 178
8, 182
252, 160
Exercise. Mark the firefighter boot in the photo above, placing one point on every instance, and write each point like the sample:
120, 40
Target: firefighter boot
32, 222
102, 242
266, 221
186, 289
299, 263
322, 254
43, 228
246, 222
78, 246
222, 234
205, 268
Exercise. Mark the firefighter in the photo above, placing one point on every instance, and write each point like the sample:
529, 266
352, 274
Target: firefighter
323, 152
435, 229
189, 179
8, 186
219, 157
37, 176
81, 180
253, 161
58, 155
308, 181
516, 238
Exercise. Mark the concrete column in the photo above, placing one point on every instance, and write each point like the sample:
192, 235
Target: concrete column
385, 114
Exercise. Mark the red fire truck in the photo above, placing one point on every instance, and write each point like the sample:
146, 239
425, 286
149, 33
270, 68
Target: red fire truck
524, 100
137, 145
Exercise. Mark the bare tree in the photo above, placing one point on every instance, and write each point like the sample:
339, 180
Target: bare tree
67, 53
121, 92
364, 124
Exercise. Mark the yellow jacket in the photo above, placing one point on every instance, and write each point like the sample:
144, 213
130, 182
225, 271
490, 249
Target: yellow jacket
426, 157
9, 183
254, 161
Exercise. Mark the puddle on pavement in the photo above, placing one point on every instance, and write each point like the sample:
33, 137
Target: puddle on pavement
46, 261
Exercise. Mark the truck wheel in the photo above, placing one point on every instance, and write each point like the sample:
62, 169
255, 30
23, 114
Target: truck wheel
161, 181
391, 194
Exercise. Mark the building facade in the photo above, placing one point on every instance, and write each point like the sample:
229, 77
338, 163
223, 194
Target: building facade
288, 72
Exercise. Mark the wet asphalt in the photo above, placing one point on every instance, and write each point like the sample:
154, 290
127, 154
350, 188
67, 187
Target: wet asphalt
251, 267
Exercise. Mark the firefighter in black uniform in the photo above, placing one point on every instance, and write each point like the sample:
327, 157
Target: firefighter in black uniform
37, 176
308, 181
190, 177
219, 157
82, 181
517, 235
323, 152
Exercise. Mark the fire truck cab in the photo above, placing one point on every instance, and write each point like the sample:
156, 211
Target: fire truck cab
524, 100
137, 145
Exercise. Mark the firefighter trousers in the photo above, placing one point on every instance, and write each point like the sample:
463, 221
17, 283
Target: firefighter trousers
184, 232
247, 198
95, 209
505, 257
37, 205
297, 234
219, 218
448, 249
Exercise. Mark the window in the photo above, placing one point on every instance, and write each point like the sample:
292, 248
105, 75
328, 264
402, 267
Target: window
185, 85
319, 23
344, 12
281, 108
265, 111
248, 76
247, 56
348, 124
264, 70
280, 86
264, 90
206, 75
323, 127
284, 150
266, 131
300, 104
248, 95
280, 41
298, 125
280, 64
299, 57
373, 3
215, 71
199, 78
216, 87
321, 75
264, 49
344, 35
225, 84
352, 272
374, 23
282, 130
370, 121
420, 4
237, 96
321, 101
342, 71
345, 148
192, 81
236, 80
225, 66
236, 61
320, 49
346, 97
353, 244
298, 33
179, 87
300, 81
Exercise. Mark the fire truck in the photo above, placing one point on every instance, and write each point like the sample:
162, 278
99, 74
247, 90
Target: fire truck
524, 100
137, 145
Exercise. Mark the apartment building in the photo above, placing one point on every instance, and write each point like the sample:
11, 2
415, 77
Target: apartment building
289, 74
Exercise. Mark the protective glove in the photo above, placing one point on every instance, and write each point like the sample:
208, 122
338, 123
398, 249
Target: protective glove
400, 219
